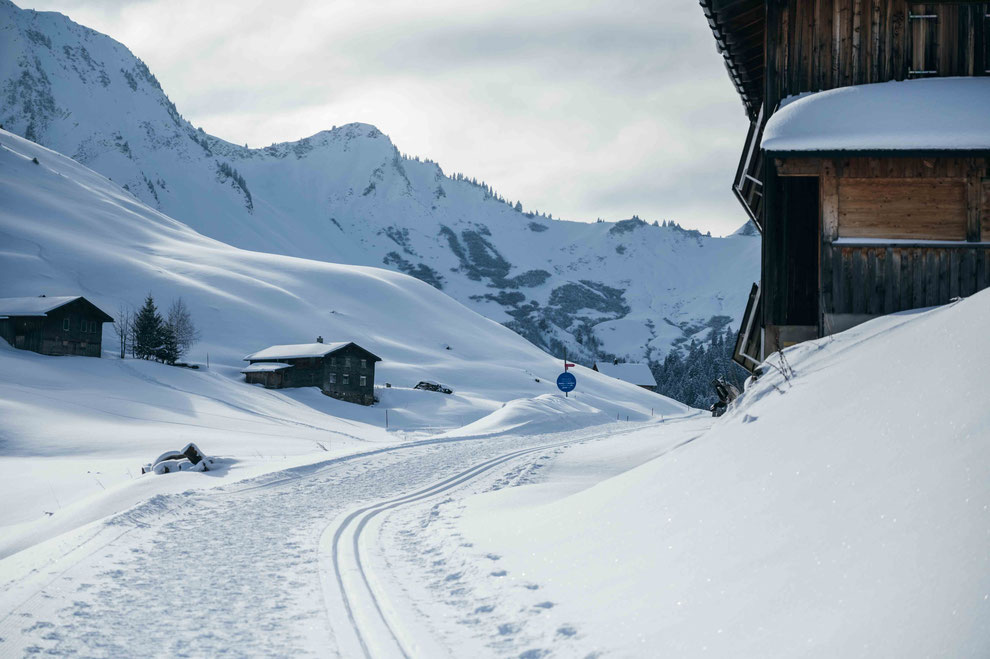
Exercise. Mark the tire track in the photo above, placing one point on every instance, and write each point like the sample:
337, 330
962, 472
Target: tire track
347, 586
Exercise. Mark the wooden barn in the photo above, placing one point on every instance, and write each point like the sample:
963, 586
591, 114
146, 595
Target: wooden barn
866, 163
637, 374
65, 325
342, 370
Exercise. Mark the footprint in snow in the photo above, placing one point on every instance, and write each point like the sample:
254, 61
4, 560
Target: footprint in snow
492, 557
508, 629
535, 653
452, 577
499, 573
544, 605
532, 586
486, 608
566, 631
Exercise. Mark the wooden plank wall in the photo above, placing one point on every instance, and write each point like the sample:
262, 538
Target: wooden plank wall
883, 279
899, 208
822, 44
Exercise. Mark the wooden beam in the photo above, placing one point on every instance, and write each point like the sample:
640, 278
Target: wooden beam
830, 201
974, 200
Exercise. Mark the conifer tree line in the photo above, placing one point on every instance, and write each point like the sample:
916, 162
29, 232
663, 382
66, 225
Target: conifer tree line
688, 378
147, 334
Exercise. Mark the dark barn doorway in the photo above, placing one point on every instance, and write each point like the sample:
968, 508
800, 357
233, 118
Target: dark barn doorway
799, 205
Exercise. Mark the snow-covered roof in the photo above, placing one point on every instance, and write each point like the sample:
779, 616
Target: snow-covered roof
638, 374
296, 351
931, 114
264, 367
33, 306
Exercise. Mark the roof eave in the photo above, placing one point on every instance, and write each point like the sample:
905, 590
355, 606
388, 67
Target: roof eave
879, 153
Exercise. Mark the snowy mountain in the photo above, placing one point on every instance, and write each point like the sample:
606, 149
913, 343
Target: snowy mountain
347, 195
65, 229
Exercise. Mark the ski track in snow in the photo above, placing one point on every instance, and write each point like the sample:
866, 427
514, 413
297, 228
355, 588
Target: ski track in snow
237, 570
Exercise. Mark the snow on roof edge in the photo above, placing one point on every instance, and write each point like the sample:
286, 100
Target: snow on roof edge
929, 114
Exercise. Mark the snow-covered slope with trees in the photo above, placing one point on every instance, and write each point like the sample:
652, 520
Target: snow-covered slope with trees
65, 229
347, 195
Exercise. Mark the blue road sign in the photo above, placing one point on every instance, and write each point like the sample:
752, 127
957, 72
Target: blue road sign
566, 382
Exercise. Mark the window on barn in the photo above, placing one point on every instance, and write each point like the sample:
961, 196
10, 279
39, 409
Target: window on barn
333, 361
65, 324
347, 378
333, 378
364, 381
364, 363
347, 362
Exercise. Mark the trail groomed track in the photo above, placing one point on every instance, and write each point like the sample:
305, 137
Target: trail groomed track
241, 561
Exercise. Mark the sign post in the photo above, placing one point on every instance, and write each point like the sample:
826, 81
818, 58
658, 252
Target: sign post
566, 382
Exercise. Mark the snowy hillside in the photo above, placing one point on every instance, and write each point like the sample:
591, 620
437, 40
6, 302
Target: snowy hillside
65, 229
347, 195
840, 511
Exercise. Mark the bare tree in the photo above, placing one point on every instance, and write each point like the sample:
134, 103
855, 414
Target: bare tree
123, 327
180, 321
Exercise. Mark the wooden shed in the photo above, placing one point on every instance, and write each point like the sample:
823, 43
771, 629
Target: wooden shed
64, 325
343, 370
866, 163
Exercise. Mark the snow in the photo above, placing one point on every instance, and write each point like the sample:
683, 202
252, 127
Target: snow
264, 367
918, 115
67, 229
638, 374
297, 351
33, 306
840, 512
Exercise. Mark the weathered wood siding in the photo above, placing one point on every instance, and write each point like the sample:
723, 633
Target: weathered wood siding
898, 208
813, 45
899, 198
878, 279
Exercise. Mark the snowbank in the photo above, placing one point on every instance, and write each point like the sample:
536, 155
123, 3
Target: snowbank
841, 511
546, 413
925, 114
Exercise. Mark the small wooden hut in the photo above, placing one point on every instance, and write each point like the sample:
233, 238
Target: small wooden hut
343, 370
64, 325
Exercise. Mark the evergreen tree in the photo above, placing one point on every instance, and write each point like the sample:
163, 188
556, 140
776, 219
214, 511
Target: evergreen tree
147, 330
168, 349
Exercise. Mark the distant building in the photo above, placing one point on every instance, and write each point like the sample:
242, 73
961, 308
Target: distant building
343, 370
637, 374
66, 325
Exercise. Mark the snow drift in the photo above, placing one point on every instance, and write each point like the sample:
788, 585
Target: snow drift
840, 510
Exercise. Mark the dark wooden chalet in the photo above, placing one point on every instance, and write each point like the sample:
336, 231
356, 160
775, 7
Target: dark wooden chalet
872, 196
67, 325
342, 370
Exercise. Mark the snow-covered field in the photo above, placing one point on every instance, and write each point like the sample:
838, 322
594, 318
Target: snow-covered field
807, 521
74, 427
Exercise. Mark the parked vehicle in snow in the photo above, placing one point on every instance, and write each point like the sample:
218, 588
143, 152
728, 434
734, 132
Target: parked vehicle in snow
430, 385
188, 459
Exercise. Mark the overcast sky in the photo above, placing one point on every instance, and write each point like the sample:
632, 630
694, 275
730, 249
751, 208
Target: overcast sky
584, 110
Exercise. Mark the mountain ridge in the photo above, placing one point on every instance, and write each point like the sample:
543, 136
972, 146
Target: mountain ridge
348, 195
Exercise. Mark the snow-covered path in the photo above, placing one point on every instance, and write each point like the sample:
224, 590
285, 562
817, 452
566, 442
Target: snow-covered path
279, 565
